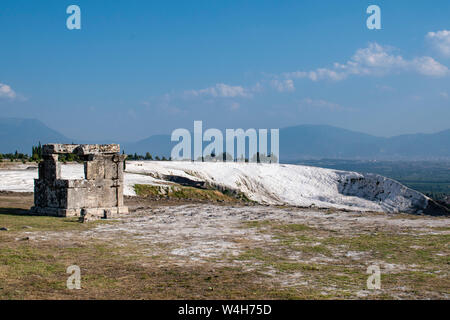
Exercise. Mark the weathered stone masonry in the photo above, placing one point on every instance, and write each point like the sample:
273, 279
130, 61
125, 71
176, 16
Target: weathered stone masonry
99, 195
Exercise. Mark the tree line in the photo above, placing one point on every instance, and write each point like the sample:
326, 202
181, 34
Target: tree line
36, 155
147, 156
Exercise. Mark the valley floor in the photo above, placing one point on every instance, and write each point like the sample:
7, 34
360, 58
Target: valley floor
179, 249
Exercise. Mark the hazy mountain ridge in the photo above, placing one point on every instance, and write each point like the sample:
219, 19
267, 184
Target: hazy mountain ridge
157, 145
297, 142
338, 143
21, 134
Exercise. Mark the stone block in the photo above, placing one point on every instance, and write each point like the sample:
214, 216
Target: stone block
99, 195
94, 169
80, 149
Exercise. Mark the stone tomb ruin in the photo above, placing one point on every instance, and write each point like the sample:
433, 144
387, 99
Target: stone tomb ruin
98, 195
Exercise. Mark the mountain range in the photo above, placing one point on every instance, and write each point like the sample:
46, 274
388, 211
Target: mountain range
296, 143
20, 135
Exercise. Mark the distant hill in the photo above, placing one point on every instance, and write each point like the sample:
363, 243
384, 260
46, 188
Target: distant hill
436, 145
321, 141
21, 134
296, 143
315, 141
157, 145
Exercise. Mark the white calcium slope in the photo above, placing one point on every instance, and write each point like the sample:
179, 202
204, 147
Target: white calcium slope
23, 180
264, 183
293, 184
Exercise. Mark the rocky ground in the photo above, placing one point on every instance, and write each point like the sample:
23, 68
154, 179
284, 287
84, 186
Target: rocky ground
169, 248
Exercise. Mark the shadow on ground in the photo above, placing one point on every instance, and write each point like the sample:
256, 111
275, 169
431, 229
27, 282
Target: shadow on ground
15, 212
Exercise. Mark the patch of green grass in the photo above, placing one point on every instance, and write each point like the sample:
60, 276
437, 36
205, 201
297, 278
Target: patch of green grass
295, 266
398, 248
145, 190
277, 262
317, 249
277, 225
37, 270
297, 237
25, 260
183, 192
293, 227
14, 222
426, 249
256, 254
258, 223
423, 259
441, 228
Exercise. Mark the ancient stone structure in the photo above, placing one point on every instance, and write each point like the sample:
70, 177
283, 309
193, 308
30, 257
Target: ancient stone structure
99, 195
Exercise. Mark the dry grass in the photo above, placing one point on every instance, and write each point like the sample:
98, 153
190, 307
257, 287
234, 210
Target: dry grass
31, 270
413, 264
294, 259
189, 193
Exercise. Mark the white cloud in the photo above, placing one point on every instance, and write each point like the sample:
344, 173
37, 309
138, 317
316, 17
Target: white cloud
444, 95
221, 90
440, 40
429, 67
7, 92
283, 85
375, 60
258, 87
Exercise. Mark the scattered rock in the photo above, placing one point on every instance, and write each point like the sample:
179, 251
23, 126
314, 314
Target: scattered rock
27, 227
92, 214
86, 216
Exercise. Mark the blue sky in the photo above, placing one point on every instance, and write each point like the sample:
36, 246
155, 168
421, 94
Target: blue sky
138, 68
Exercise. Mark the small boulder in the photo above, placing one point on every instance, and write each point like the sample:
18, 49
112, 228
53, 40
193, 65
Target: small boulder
87, 215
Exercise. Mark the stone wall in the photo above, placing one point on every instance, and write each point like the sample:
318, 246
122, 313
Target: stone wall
99, 195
